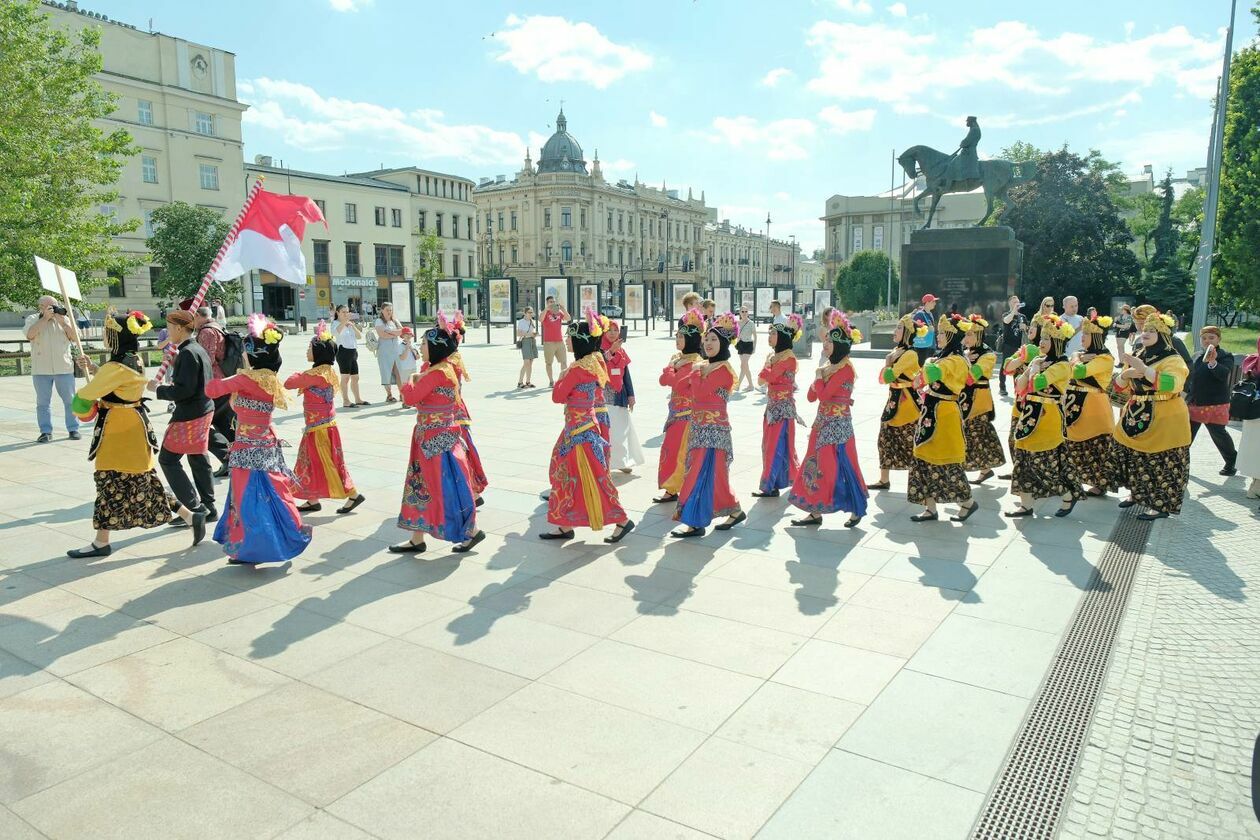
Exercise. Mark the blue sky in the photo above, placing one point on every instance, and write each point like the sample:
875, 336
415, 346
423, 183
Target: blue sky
766, 107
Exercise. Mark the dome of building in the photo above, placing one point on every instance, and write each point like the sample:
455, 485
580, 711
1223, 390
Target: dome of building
561, 153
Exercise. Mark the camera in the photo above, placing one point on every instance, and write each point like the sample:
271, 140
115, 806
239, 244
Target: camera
59, 309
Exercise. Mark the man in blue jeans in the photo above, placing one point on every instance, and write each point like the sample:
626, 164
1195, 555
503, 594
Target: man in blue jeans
51, 334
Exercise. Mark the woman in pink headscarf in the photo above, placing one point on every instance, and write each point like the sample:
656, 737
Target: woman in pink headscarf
1249, 449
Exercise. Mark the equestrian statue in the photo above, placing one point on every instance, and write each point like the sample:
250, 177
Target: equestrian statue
961, 172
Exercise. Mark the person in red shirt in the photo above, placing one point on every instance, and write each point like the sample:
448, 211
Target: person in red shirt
553, 321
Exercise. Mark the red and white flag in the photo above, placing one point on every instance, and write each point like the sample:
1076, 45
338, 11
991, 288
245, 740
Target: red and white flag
270, 238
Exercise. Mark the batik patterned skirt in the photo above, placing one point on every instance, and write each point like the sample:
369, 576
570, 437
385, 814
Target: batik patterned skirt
671, 466
479, 480
829, 478
942, 483
189, 437
778, 454
984, 447
262, 523
1044, 474
321, 465
1088, 460
582, 493
1154, 479
129, 500
896, 447
438, 494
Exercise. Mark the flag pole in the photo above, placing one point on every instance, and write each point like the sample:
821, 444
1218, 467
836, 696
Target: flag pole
214, 266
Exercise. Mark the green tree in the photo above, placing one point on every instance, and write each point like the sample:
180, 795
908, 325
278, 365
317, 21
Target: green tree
56, 168
1236, 271
429, 268
1166, 282
185, 240
862, 282
1075, 242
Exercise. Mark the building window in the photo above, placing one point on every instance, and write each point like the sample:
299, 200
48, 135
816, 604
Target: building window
438, 220
454, 226
395, 260
321, 257
621, 256
323, 211
501, 254
470, 221
454, 257
382, 260
513, 255
379, 215
395, 217
472, 273
353, 268
609, 260
148, 223
609, 227
857, 239
422, 229
566, 217
630, 224
209, 174
116, 286
566, 251
582, 217
547, 253
513, 220
621, 223
204, 124
155, 276
547, 218
145, 112
877, 238
352, 213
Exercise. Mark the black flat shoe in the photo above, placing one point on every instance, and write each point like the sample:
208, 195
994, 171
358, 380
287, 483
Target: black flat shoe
619, 532
1148, 517
94, 551
1006, 477
177, 522
198, 526
852, 521
925, 517
351, 504
690, 532
879, 485
223, 471
1064, 511
1127, 503
1018, 512
556, 535
408, 548
666, 499
465, 547
982, 478
309, 507
807, 521
1229, 471
731, 523
212, 515
760, 495
966, 513
480, 501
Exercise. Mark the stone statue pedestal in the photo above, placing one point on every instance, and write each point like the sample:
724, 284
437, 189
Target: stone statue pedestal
971, 270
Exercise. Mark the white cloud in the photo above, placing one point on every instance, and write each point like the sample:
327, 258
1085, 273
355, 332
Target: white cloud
782, 196
842, 121
349, 5
305, 119
1016, 120
775, 76
778, 139
558, 50
857, 7
898, 10
1180, 148
658, 120
617, 167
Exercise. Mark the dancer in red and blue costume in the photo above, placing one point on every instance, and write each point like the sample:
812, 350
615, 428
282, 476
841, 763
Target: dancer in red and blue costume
438, 496
677, 376
706, 490
829, 478
262, 523
778, 425
582, 493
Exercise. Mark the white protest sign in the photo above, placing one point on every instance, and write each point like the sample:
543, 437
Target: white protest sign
57, 279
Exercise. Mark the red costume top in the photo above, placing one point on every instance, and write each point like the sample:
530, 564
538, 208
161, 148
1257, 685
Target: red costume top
779, 374
435, 397
678, 380
710, 424
319, 402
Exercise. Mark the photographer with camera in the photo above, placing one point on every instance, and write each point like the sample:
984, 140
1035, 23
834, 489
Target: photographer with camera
51, 334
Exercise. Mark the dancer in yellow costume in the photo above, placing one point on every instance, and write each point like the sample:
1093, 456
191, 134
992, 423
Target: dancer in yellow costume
901, 412
1087, 408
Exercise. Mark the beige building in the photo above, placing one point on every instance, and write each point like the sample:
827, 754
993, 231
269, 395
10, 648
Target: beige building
177, 99
375, 220
810, 275
562, 217
744, 259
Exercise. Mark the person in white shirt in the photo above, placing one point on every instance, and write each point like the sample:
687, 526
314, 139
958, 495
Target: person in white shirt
347, 333
1071, 314
51, 334
776, 313
527, 341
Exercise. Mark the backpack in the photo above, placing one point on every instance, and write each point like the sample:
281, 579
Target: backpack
371, 338
233, 353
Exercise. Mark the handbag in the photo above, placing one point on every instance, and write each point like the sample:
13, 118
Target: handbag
1244, 402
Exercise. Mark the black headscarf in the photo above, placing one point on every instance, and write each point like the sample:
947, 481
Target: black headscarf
785, 336
124, 345
584, 344
724, 338
323, 351
841, 344
264, 356
440, 344
692, 339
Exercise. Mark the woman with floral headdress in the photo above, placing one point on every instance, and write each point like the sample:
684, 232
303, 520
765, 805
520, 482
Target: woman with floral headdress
582, 493
778, 425
829, 478
619, 398
678, 376
706, 489
480, 482
128, 491
1087, 409
262, 523
901, 412
937, 473
984, 449
1017, 363
438, 497
1041, 458
1151, 454
321, 463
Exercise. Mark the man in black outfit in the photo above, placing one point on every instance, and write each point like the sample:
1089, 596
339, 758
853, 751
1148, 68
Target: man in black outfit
1207, 394
188, 432
1014, 335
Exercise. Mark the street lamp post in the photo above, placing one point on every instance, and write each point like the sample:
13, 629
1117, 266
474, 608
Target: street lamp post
767, 266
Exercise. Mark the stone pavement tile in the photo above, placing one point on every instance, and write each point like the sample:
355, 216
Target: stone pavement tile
878, 630
323, 826
640, 825
907, 598
1017, 599
13, 827
928, 571
727, 789
55, 731
617, 753
308, 742
687, 693
733, 645
814, 577
791, 722
17, 675
418, 685
293, 641
167, 789
23, 544
565, 605
625, 572
976, 553
458, 576
379, 605
849, 797
1066, 533
1001, 657
507, 642
77, 638
187, 604
947, 730
280, 582
108, 575
25, 597
840, 671
177, 683
529, 556
449, 791
796, 613
1047, 563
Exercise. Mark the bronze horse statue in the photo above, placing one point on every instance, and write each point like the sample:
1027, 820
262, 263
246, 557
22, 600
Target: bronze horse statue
996, 176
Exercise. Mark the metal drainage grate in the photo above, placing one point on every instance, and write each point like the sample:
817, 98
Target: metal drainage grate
1029, 796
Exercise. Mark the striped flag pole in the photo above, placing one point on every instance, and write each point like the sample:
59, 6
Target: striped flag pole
214, 266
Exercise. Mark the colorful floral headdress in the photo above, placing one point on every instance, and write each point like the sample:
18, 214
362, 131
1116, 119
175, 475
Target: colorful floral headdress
978, 322
911, 327
840, 328
260, 327
1055, 328
321, 332
444, 332
952, 322
1158, 322
727, 325
793, 327
1098, 325
692, 322
595, 324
